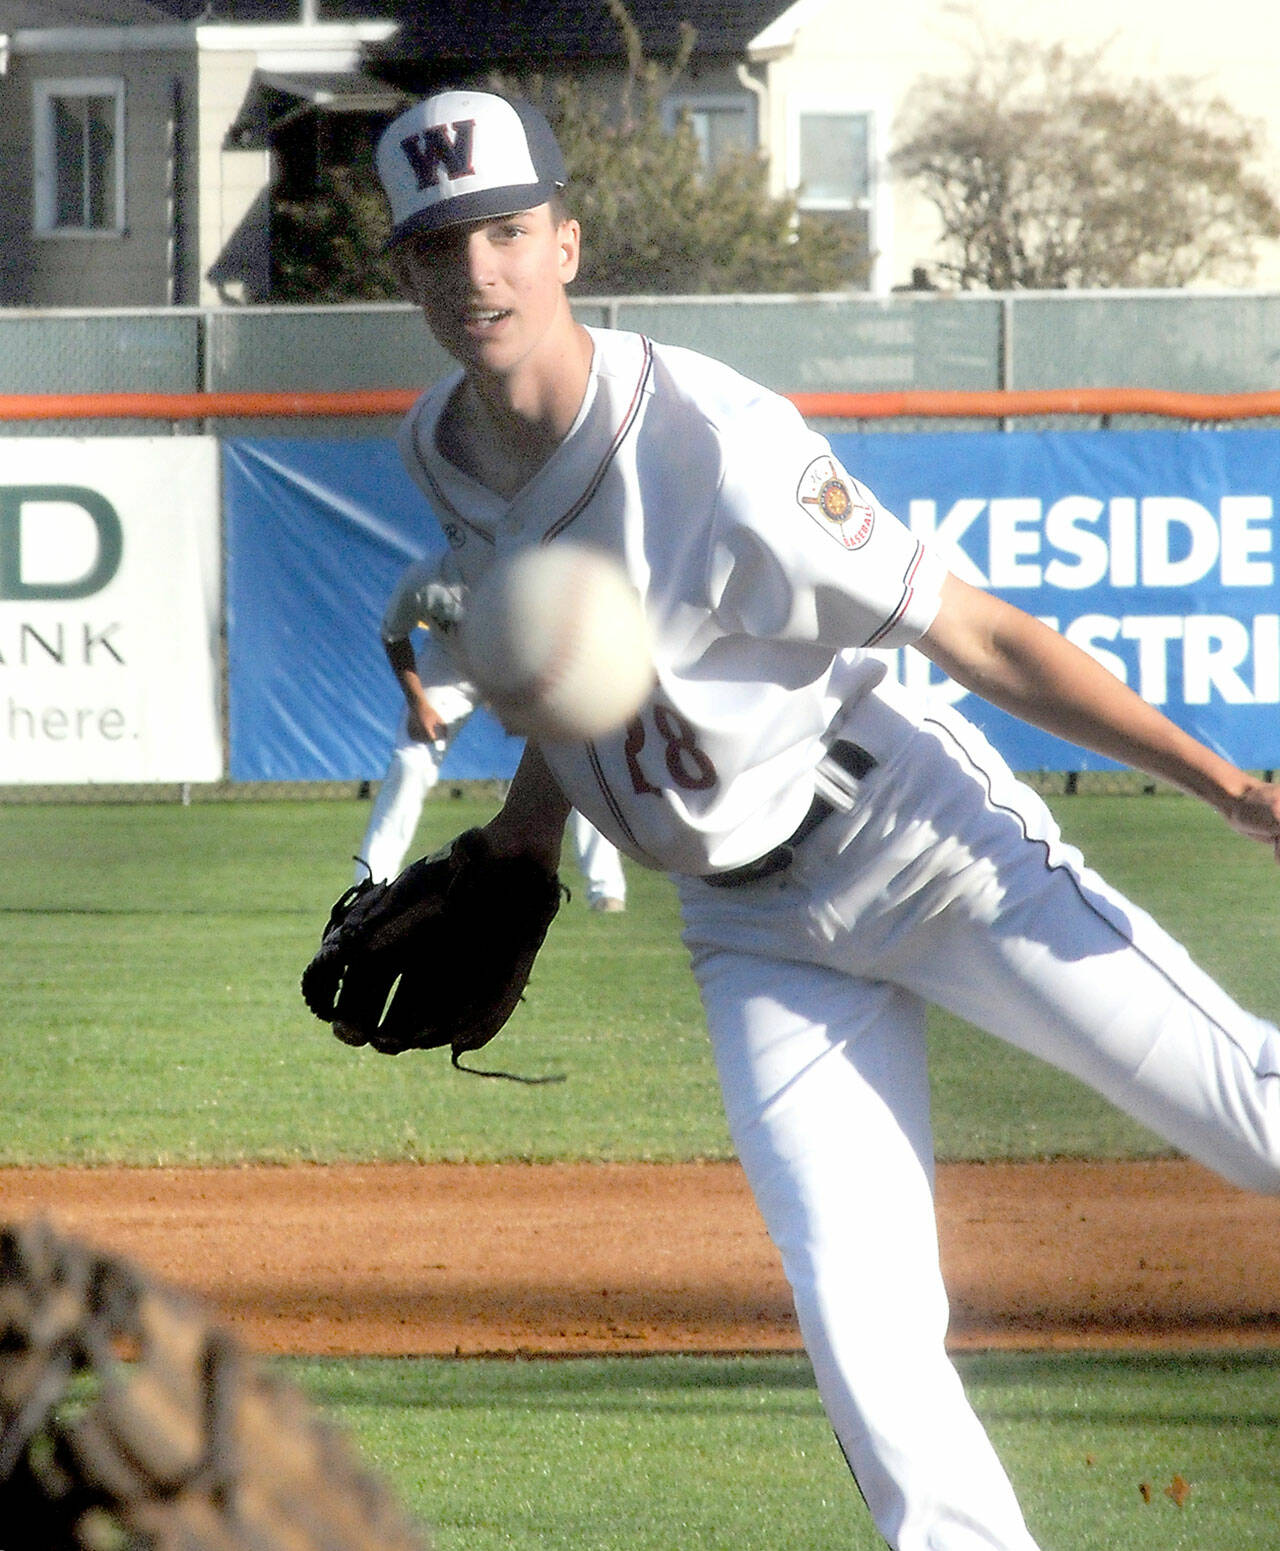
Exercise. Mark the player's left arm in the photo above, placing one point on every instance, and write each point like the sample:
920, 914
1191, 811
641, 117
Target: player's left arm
531, 820
1019, 664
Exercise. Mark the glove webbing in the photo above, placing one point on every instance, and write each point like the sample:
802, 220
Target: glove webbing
127, 1418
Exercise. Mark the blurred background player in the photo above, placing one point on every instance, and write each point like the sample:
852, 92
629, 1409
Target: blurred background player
437, 705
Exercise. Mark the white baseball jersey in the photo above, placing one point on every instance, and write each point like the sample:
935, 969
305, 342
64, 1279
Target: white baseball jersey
766, 572
421, 600
406, 609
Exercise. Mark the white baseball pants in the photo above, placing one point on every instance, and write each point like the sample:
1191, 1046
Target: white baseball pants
598, 859
413, 770
946, 883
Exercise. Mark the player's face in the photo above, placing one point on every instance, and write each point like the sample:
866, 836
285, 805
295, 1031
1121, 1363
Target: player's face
492, 291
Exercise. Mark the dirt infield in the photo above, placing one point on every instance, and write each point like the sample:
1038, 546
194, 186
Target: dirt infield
425, 1259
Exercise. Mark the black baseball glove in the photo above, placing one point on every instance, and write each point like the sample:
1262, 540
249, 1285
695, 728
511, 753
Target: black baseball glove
438, 956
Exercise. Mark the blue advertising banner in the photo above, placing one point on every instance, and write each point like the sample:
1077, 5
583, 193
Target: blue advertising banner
316, 534
1153, 550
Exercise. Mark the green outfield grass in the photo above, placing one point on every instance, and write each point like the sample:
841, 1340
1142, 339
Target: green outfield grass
149, 981
706, 1453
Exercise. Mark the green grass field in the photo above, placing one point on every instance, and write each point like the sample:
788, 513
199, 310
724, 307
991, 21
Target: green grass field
149, 981
150, 974
707, 1454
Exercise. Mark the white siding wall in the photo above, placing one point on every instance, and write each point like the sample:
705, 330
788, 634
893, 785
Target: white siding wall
231, 180
875, 55
233, 232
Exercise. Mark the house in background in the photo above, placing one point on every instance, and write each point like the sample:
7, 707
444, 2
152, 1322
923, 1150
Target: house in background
141, 140
139, 158
136, 157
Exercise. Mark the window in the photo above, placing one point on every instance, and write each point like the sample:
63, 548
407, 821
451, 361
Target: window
724, 126
832, 167
79, 160
835, 161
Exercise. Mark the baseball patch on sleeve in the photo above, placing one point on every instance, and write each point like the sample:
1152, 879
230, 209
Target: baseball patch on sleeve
836, 503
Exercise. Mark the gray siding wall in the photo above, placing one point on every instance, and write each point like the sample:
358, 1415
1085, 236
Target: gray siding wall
131, 268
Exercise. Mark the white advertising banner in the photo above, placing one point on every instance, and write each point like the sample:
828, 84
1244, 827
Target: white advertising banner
110, 607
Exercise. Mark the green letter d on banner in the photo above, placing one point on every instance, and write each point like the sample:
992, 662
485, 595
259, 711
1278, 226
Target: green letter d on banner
102, 514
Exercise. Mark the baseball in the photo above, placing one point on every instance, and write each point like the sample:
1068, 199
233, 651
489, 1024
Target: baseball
557, 643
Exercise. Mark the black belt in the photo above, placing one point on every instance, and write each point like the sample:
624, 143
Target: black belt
849, 756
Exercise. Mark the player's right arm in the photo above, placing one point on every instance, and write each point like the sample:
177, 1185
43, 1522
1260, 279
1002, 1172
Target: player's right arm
426, 725
1018, 663
421, 594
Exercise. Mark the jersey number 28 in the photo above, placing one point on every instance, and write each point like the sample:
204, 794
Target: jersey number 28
687, 764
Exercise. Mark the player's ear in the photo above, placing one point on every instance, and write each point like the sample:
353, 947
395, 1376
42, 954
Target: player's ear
569, 242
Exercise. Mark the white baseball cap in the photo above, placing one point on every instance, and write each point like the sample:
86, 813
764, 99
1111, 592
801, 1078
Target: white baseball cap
466, 156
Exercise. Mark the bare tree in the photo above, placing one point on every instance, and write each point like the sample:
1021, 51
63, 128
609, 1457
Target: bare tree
1047, 175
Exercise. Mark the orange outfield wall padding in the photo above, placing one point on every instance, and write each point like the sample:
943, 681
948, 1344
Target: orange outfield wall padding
920, 403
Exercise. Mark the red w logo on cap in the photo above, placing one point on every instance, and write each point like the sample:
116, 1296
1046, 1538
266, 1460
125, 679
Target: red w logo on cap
433, 149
